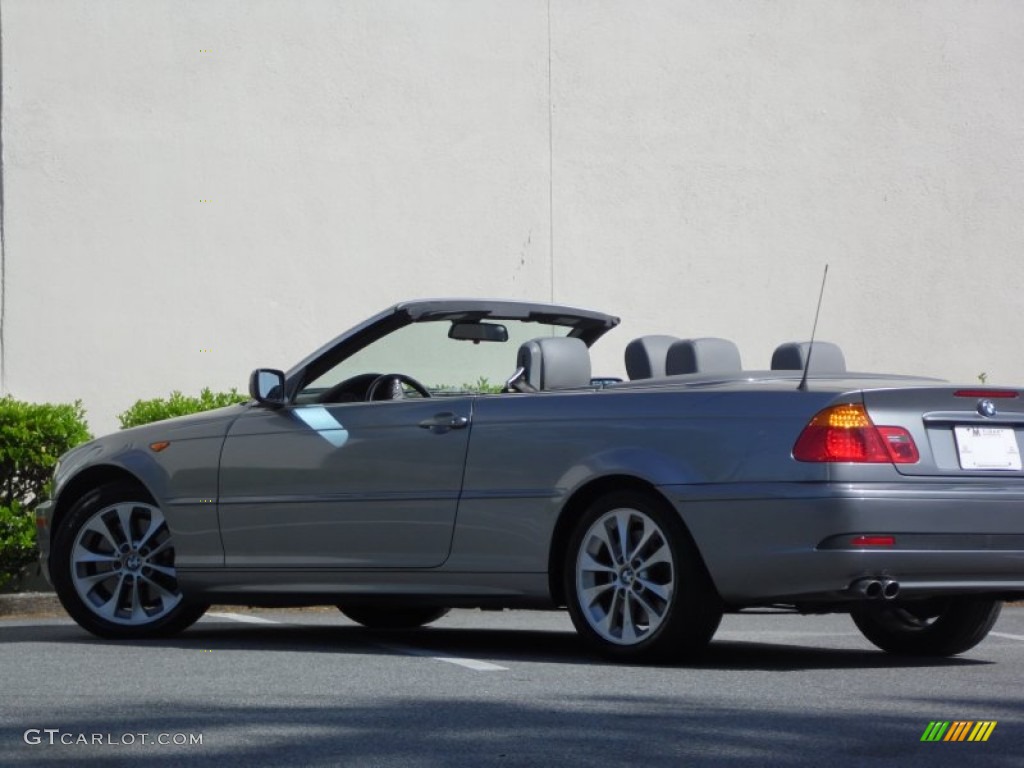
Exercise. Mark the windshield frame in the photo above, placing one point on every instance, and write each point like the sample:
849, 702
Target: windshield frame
586, 325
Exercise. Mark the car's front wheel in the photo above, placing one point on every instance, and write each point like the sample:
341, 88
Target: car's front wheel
113, 566
392, 617
941, 627
635, 584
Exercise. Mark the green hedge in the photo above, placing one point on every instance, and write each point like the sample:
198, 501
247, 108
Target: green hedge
17, 543
32, 438
482, 386
160, 408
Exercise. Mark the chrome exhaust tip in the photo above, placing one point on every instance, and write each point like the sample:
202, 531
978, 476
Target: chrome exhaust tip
870, 589
890, 589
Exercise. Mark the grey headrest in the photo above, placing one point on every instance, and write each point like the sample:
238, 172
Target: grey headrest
555, 362
827, 357
703, 356
645, 357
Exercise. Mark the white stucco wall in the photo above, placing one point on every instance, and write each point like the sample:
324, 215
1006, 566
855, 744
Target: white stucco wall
690, 166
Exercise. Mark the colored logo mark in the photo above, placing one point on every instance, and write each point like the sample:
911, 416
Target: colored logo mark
205, 200
206, 350
959, 730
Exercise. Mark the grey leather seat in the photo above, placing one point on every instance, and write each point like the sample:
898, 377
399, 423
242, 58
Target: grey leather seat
707, 355
645, 356
827, 357
551, 362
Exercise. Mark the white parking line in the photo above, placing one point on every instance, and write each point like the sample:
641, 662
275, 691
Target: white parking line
1007, 635
474, 664
479, 666
245, 619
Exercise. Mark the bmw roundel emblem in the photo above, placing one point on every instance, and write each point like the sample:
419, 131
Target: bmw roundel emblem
986, 408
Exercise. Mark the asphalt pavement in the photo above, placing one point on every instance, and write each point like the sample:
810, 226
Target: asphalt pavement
308, 688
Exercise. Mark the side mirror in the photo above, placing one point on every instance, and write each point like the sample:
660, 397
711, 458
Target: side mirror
266, 386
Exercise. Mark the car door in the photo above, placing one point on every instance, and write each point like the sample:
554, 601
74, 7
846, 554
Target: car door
356, 485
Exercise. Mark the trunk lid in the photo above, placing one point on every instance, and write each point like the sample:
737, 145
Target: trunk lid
959, 431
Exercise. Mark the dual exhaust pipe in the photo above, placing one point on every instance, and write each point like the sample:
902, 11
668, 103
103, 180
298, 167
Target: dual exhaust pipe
875, 589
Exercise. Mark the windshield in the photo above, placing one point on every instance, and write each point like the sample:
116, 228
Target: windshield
442, 365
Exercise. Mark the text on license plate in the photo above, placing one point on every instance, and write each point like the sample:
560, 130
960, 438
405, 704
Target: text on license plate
987, 448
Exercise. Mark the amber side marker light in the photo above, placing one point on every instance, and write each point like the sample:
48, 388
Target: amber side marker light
845, 433
159, 446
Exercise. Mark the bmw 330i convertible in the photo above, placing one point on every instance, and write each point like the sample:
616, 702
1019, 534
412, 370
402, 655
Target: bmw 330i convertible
462, 453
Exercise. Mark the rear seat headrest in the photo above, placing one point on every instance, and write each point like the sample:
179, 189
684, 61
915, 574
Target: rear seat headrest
645, 356
827, 357
708, 355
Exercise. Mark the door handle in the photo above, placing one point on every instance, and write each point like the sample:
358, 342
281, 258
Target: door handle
442, 422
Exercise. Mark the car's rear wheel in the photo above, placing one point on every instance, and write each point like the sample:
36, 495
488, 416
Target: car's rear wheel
392, 617
635, 585
942, 627
113, 566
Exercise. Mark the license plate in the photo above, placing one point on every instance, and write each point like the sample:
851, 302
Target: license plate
987, 448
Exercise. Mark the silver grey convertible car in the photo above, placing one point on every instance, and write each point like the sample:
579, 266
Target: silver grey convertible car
461, 453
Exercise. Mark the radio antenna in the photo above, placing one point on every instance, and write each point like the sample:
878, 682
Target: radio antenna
802, 386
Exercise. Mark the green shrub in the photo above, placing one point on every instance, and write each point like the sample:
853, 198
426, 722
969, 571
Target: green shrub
32, 438
17, 542
482, 386
160, 408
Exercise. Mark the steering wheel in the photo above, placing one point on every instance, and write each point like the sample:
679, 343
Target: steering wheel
351, 390
395, 379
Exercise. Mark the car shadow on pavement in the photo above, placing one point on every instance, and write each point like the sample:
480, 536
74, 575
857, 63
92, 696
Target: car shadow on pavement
637, 729
497, 645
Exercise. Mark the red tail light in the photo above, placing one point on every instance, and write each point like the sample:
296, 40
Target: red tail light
846, 433
900, 444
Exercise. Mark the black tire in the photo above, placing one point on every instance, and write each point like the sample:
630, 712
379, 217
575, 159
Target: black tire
645, 609
396, 617
112, 593
943, 627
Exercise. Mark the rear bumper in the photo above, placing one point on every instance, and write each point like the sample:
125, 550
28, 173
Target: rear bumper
791, 542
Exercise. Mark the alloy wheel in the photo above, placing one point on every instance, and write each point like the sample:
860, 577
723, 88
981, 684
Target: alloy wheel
625, 576
122, 564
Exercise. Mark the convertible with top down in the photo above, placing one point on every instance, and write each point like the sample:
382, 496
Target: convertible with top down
452, 453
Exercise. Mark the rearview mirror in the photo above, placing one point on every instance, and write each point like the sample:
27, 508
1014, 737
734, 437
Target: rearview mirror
266, 386
477, 332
